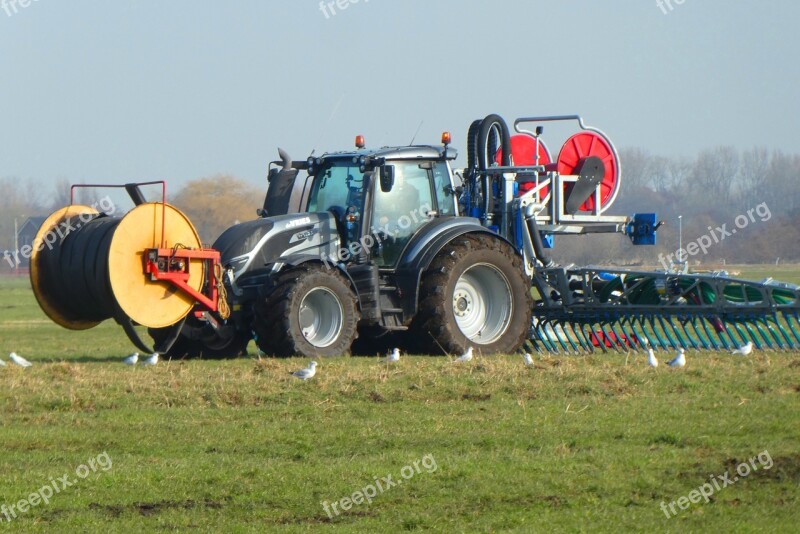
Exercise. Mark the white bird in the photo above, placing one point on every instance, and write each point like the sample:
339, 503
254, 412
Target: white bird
393, 356
19, 360
2, 363
651, 358
466, 357
679, 360
152, 360
305, 374
132, 359
528, 359
744, 350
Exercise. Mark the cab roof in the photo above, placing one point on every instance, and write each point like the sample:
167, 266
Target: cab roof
400, 152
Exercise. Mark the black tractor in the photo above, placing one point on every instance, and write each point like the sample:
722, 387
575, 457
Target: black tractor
364, 243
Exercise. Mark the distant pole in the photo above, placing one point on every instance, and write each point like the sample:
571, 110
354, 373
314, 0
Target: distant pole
680, 238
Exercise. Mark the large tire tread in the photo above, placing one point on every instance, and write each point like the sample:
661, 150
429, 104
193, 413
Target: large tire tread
434, 327
186, 348
274, 325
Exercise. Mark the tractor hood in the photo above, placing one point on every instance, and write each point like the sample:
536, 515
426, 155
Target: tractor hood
290, 238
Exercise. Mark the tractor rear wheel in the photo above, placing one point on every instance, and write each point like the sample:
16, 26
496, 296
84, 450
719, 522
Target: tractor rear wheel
307, 310
474, 293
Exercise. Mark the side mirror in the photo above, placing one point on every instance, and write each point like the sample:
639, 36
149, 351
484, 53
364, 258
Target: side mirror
387, 178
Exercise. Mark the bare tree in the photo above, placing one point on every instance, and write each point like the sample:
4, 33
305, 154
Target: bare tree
714, 174
636, 168
753, 175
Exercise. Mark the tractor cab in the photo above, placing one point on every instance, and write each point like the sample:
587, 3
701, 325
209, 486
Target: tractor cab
382, 198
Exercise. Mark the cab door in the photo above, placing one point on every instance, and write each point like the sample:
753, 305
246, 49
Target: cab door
399, 213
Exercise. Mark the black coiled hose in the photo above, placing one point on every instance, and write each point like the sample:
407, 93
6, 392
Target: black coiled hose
482, 141
77, 269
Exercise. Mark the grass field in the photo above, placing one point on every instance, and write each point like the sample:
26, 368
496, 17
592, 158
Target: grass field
574, 444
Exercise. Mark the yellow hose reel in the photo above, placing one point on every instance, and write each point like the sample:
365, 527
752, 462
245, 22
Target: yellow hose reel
147, 267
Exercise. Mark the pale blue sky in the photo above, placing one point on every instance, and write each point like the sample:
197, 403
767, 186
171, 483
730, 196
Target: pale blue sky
125, 90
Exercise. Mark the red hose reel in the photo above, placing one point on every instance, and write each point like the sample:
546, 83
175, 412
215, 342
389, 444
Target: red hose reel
575, 150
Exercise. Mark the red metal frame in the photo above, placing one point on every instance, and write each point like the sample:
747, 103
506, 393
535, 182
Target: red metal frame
179, 275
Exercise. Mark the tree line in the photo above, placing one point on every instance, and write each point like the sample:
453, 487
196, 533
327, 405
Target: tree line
212, 204
717, 187
711, 193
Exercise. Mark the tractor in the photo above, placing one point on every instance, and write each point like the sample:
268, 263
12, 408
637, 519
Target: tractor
377, 243
364, 243
374, 241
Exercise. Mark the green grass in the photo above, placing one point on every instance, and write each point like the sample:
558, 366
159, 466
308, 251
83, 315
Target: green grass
574, 444
782, 273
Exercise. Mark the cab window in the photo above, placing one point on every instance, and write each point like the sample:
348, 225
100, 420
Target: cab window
445, 199
398, 214
339, 188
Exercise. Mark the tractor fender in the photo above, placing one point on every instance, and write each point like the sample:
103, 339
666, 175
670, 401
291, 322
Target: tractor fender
421, 251
297, 260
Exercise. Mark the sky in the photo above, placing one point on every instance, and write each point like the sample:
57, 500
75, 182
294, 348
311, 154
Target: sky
119, 91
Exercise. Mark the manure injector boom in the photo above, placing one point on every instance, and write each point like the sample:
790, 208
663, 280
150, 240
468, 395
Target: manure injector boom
366, 242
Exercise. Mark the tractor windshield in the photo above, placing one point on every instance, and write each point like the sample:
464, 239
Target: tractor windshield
339, 187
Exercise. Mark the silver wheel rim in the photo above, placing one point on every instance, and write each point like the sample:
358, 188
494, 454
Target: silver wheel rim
321, 317
482, 303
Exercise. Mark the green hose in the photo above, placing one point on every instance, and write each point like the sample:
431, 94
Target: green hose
646, 292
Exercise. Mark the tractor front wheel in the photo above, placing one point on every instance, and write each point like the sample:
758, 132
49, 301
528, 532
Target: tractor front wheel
307, 310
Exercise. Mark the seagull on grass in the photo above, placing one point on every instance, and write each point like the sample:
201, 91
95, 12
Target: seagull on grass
744, 350
19, 360
152, 360
132, 359
651, 358
527, 359
679, 360
393, 356
466, 357
305, 374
